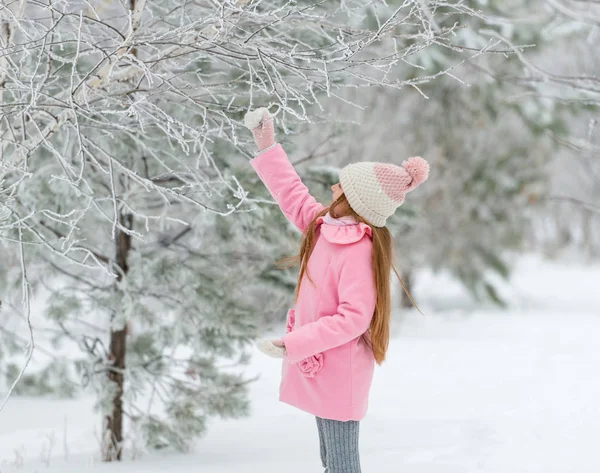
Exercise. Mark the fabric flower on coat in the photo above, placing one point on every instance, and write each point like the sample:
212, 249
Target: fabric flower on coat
311, 366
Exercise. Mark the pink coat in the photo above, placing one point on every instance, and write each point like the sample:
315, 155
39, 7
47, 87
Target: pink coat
328, 369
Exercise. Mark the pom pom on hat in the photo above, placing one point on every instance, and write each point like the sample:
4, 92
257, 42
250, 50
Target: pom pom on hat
417, 168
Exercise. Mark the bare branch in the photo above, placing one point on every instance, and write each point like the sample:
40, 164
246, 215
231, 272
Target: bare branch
578, 202
26, 303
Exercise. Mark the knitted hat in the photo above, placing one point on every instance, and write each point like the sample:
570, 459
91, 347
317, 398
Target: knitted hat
376, 190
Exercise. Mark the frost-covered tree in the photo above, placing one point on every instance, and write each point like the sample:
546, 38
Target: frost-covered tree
571, 76
125, 188
489, 140
493, 145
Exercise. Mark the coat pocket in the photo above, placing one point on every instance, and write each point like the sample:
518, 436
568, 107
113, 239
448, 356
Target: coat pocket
290, 320
311, 366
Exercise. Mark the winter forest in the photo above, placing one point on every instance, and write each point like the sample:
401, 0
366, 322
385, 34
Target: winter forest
139, 249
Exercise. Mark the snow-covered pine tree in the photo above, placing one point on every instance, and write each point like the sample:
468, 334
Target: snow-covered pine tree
572, 216
122, 191
489, 142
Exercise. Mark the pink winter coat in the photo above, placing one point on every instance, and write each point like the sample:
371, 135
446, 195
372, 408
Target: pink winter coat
328, 369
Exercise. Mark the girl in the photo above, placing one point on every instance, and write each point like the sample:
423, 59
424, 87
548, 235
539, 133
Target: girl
339, 326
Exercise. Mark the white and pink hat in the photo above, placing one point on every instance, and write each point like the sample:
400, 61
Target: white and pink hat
376, 190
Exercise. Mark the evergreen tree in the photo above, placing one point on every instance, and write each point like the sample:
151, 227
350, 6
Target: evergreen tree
487, 139
125, 185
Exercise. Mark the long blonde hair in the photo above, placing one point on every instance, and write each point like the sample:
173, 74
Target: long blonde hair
378, 335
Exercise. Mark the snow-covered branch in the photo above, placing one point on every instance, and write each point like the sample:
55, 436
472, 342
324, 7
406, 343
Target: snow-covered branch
25, 288
124, 161
103, 95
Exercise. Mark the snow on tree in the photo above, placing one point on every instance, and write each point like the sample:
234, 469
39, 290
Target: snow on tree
489, 140
124, 191
564, 79
572, 217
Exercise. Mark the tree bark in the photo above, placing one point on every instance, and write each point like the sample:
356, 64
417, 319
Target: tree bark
118, 339
118, 345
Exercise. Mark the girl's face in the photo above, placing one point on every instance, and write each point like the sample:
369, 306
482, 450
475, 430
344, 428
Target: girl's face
342, 208
336, 192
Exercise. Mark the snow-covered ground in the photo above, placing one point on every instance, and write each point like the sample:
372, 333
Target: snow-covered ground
466, 389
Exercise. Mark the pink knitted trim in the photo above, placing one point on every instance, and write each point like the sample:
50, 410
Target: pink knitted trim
393, 180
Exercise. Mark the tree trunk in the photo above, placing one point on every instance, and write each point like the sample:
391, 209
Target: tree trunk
118, 340
408, 280
118, 344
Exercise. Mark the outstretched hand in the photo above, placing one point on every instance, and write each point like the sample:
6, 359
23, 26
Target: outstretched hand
260, 122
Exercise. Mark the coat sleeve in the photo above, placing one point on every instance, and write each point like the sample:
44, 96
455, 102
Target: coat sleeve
286, 187
357, 297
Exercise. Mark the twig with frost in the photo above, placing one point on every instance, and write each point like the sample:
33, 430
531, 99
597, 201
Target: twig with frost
26, 302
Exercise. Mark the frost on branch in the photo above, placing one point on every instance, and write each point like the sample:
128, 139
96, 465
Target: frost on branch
125, 177
98, 98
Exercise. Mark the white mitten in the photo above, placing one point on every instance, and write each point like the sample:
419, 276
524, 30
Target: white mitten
270, 349
260, 122
254, 117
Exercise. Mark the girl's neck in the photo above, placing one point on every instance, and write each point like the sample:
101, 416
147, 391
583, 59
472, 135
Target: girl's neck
341, 221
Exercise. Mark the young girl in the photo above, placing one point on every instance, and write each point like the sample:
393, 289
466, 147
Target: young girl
339, 326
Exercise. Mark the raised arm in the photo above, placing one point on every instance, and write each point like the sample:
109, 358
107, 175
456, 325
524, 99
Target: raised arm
286, 187
277, 173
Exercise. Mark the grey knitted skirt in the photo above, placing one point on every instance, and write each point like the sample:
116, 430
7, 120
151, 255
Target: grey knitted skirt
339, 445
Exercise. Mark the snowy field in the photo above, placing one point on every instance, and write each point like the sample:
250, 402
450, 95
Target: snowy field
466, 389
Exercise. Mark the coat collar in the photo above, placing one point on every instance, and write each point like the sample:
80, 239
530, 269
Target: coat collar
343, 234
